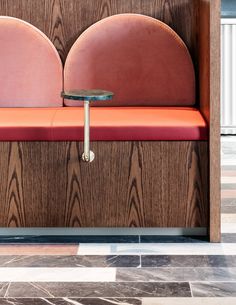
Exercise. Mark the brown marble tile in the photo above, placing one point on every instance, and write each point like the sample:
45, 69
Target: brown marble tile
180, 274
3, 289
228, 194
213, 289
228, 173
193, 261
39, 249
228, 205
69, 301
69, 261
98, 290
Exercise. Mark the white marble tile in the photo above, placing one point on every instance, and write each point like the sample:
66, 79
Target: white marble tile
228, 218
228, 180
159, 248
226, 139
229, 160
189, 301
228, 228
57, 274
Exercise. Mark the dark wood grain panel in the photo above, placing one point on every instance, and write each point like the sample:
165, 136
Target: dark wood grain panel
74, 208
4, 164
135, 202
178, 196
14, 204
129, 184
215, 204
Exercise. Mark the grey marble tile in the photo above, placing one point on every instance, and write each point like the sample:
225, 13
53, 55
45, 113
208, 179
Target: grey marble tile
213, 289
3, 288
107, 301
228, 205
69, 301
101, 289
188, 261
228, 186
178, 274
33, 301
70, 261
228, 238
228, 167
25, 290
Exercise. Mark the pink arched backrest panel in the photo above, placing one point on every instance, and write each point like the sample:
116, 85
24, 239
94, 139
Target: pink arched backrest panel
31, 70
142, 60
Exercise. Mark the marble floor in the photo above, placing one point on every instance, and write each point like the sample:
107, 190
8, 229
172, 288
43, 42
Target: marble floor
126, 270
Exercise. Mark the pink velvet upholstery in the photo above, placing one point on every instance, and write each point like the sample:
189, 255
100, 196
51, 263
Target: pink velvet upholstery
31, 69
107, 123
142, 60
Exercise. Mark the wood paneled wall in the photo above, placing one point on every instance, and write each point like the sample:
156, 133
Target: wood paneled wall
129, 184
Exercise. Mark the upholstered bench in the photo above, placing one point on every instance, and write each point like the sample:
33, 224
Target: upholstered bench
150, 141
152, 78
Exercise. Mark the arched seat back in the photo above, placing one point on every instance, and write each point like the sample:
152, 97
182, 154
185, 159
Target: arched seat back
31, 69
142, 60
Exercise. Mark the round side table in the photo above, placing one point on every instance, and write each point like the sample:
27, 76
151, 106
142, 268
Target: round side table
87, 96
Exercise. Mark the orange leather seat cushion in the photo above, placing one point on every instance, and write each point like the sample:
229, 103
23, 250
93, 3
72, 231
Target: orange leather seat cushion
26, 124
107, 124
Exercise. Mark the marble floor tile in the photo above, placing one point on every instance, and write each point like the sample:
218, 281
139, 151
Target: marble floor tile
228, 167
178, 274
25, 290
159, 249
57, 274
228, 237
38, 249
188, 301
225, 180
228, 160
69, 261
228, 228
228, 205
3, 289
70, 301
228, 173
228, 186
213, 289
188, 261
228, 218
228, 194
101, 289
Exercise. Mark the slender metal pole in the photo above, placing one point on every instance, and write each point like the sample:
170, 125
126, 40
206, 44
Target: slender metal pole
86, 131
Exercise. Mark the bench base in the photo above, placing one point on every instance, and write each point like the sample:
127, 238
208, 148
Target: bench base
129, 184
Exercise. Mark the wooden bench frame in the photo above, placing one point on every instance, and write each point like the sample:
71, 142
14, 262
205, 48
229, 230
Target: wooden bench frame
143, 183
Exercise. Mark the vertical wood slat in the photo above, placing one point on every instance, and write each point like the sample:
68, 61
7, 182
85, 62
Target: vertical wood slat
209, 71
14, 201
214, 145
